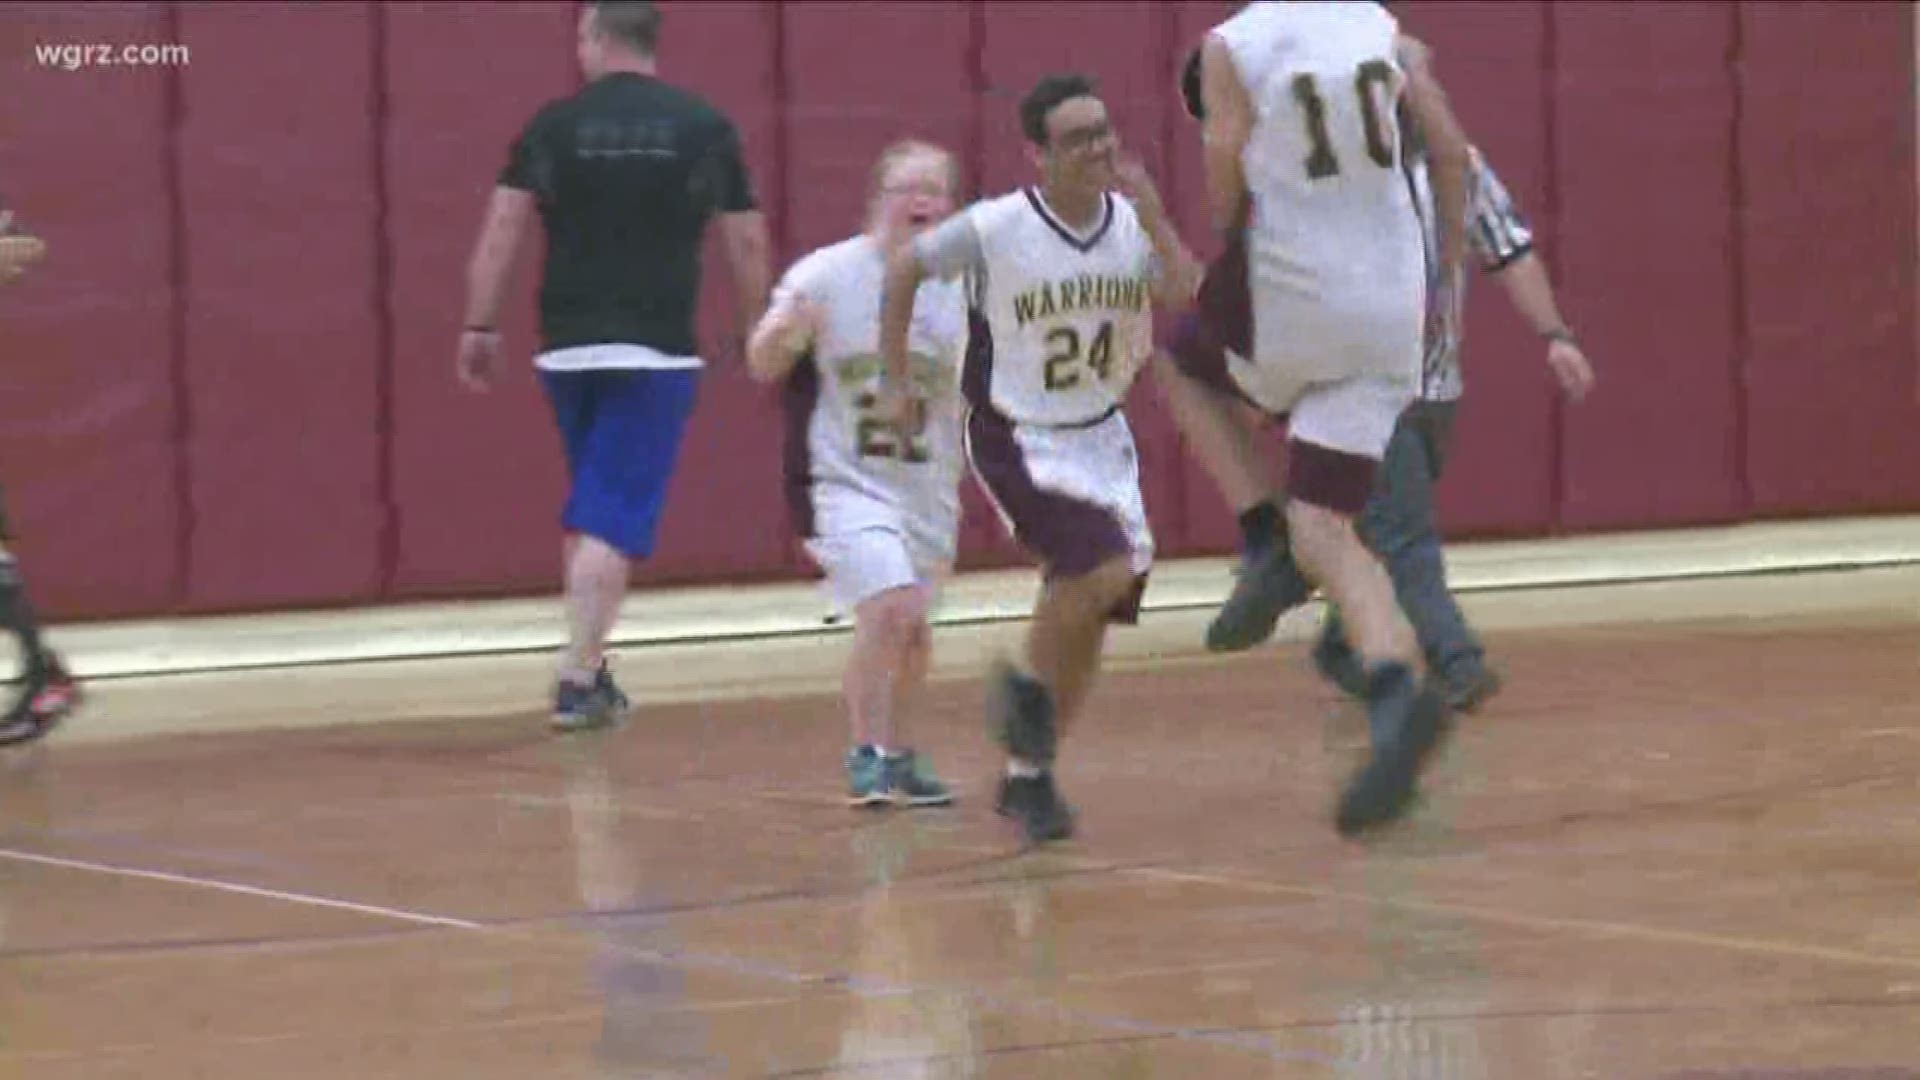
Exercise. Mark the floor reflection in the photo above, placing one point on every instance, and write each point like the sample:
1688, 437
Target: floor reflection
908, 1016
649, 1028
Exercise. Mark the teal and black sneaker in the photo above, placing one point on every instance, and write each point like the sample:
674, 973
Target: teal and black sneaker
867, 779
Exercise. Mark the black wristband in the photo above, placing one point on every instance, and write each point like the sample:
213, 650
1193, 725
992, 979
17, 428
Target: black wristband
479, 330
1560, 333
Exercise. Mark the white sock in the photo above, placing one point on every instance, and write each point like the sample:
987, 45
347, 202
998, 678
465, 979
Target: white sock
1024, 770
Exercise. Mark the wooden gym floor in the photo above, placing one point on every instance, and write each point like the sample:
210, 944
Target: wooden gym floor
1677, 846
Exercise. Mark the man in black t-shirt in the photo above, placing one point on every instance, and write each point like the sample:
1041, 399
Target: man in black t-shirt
47, 691
625, 174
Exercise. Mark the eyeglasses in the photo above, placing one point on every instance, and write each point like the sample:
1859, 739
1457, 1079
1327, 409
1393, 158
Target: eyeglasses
932, 189
1081, 138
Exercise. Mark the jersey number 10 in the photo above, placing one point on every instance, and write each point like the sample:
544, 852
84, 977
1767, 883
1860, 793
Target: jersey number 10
1321, 162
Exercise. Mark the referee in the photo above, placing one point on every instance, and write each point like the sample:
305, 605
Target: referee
625, 175
1399, 522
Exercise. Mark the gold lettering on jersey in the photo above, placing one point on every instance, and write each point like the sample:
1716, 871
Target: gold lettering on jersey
858, 377
1083, 294
929, 378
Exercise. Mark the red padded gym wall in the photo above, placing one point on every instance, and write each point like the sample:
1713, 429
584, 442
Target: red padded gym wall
87, 450
1128, 49
282, 355
725, 515
1491, 58
838, 115
1644, 112
477, 477
1827, 149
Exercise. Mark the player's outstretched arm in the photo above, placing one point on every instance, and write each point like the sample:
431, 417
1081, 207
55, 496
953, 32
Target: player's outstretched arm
1450, 159
952, 248
783, 335
1225, 129
902, 282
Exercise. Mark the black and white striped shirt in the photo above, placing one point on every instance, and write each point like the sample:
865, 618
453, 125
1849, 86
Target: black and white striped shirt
1496, 234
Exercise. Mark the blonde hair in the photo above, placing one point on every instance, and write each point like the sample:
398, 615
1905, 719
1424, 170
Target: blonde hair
911, 148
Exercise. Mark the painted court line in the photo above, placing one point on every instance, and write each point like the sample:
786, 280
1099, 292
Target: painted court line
861, 986
1591, 927
191, 881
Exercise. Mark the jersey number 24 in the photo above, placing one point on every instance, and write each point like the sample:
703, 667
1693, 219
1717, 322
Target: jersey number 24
1065, 359
1367, 78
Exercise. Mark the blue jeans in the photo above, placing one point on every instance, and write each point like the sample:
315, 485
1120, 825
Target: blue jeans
1399, 524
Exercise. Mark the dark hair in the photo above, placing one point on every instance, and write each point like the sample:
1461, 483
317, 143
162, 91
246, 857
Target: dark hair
1046, 96
633, 23
1190, 86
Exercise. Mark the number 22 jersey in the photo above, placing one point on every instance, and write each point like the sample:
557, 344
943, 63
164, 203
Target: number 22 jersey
846, 469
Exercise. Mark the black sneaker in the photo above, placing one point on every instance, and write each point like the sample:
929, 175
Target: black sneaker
1022, 717
1467, 693
1267, 584
603, 682
1336, 662
1412, 719
1035, 804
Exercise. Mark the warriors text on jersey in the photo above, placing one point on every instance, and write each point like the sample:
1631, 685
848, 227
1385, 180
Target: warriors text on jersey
1062, 320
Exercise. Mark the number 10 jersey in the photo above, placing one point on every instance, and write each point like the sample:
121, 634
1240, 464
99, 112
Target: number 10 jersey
1336, 257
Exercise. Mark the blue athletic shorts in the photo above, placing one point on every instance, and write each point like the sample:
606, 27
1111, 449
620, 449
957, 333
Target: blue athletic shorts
621, 430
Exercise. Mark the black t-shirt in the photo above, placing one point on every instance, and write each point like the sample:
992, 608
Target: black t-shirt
626, 173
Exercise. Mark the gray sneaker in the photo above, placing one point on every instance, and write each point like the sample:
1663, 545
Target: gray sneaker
1267, 584
911, 781
585, 708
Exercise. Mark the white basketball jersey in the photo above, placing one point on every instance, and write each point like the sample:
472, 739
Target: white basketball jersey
1334, 227
1062, 321
853, 458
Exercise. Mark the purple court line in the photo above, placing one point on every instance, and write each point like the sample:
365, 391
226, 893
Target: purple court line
859, 986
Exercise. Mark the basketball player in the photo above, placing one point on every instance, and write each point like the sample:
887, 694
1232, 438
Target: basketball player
880, 515
625, 175
1061, 276
49, 691
1303, 155
1399, 521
